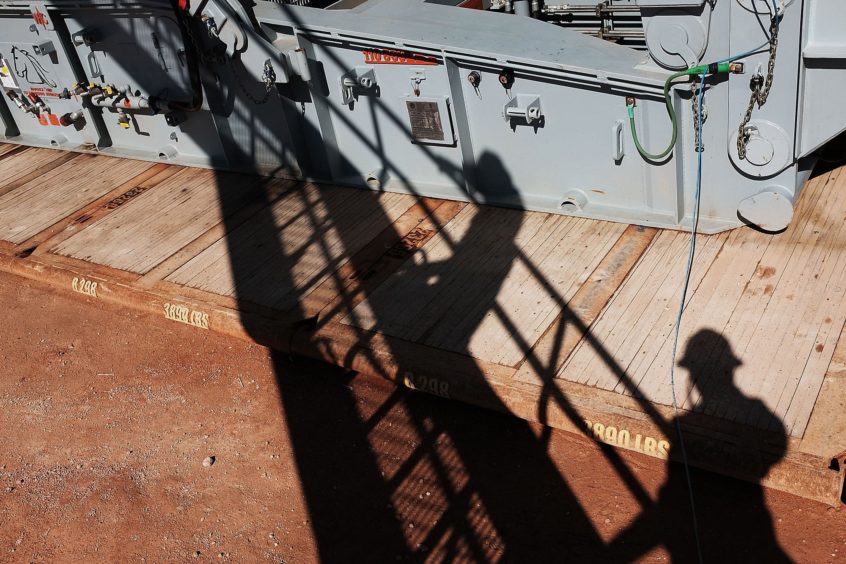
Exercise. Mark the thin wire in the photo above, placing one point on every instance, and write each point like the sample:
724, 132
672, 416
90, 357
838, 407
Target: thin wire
697, 197
691, 253
759, 48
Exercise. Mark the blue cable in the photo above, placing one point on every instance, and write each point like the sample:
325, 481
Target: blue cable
759, 48
697, 198
754, 51
691, 253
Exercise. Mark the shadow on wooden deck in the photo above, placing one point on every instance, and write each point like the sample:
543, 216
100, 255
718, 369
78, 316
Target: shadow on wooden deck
462, 302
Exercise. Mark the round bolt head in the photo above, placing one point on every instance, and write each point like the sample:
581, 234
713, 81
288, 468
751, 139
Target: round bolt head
759, 151
770, 211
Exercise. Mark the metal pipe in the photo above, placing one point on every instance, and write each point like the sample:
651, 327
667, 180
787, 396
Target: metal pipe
618, 34
521, 8
563, 9
536, 8
124, 102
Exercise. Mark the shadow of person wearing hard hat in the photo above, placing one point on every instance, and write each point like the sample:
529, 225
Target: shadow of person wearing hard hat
732, 519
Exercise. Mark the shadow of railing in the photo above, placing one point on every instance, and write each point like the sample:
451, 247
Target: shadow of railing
482, 520
426, 281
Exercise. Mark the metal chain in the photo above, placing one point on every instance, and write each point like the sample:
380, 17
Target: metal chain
694, 91
760, 90
268, 75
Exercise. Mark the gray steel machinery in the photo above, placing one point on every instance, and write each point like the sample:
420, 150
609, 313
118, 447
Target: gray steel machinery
590, 108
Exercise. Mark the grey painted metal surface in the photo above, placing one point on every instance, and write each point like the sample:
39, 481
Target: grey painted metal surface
418, 96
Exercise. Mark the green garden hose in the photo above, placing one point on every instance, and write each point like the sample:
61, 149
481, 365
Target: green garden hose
713, 68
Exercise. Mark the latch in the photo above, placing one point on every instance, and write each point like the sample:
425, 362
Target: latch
525, 107
416, 80
356, 81
44, 48
87, 36
221, 26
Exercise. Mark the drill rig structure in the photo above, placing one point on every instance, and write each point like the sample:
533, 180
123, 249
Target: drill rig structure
590, 108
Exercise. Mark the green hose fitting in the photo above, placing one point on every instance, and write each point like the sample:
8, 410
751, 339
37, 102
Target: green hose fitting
713, 68
716, 68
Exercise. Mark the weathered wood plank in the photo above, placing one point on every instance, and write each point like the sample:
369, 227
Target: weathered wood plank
274, 189
156, 224
41, 202
777, 301
827, 424
7, 150
69, 225
570, 327
489, 284
26, 165
339, 295
284, 253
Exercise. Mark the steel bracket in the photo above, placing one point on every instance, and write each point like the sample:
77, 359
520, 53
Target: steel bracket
359, 79
525, 107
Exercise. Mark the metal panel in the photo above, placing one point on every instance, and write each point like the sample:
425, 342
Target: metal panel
37, 71
437, 100
823, 114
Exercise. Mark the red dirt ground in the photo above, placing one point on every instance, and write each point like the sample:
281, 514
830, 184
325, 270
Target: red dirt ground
106, 419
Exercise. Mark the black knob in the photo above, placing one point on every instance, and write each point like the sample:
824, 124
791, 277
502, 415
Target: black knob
474, 78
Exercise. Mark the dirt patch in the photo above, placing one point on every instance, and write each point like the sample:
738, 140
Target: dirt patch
126, 437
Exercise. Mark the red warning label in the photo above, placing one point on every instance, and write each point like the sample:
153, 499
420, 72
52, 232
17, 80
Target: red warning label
40, 18
395, 57
43, 92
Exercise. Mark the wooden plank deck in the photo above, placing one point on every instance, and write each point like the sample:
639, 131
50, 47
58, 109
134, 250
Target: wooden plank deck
561, 320
307, 261
777, 300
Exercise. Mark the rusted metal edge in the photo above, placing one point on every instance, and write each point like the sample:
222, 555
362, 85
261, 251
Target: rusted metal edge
719, 446
111, 286
606, 418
